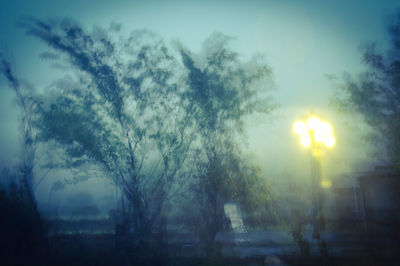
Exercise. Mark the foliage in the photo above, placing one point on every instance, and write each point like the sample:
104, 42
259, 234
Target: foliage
122, 113
223, 92
157, 120
27, 103
23, 223
376, 92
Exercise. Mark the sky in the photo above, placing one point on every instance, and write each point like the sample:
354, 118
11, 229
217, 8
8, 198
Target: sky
302, 40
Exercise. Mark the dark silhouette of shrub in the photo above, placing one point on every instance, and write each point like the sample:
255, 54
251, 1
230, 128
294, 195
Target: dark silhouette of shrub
22, 237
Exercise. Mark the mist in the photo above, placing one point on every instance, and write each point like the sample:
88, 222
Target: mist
310, 56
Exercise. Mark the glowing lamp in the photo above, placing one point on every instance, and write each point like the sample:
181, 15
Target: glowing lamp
305, 140
300, 127
325, 183
314, 131
330, 141
313, 123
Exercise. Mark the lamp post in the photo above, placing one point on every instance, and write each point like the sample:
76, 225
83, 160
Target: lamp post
316, 134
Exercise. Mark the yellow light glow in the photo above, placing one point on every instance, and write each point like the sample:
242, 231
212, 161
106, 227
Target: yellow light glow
316, 130
318, 136
325, 127
300, 127
317, 152
325, 183
313, 122
323, 131
305, 140
330, 141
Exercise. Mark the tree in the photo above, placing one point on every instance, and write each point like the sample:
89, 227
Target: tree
120, 110
23, 234
223, 91
376, 93
27, 104
154, 123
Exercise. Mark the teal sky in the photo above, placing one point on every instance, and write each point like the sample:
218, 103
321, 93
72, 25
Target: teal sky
303, 41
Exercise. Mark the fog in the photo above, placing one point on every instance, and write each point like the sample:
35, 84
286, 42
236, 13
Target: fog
303, 43
308, 45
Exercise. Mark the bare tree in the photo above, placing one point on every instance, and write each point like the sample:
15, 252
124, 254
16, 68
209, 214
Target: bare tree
21, 209
27, 104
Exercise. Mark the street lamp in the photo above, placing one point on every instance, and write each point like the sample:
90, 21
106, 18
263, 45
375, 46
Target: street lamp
316, 134
314, 130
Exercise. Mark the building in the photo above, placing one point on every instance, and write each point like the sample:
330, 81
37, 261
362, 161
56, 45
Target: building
368, 198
